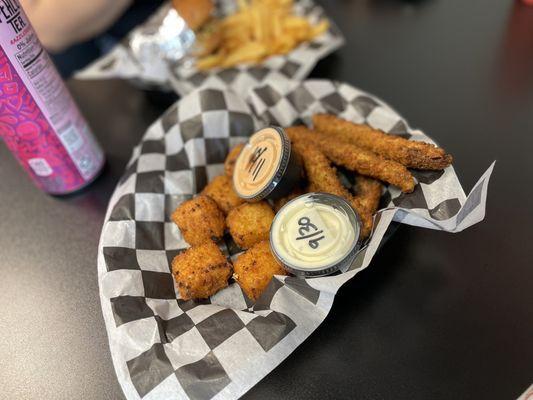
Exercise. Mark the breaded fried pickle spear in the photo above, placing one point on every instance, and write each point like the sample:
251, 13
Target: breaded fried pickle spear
368, 194
368, 191
323, 178
321, 175
412, 154
356, 159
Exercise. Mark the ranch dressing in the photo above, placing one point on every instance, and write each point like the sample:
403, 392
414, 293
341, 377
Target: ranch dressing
315, 234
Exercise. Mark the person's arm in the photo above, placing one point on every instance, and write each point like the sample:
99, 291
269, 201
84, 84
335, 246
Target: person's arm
61, 23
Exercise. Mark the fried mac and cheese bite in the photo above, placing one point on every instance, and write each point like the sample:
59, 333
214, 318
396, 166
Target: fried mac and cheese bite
254, 269
221, 190
231, 159
201, 271
199, 220
250, 223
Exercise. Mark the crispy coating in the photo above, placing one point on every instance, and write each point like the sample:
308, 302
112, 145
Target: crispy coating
323, 178
255, 268
250, 223
221, 190
201, 271
366, 201
231, 159
410, 153
356, 159
368, 192
199, 220
298, 191
321, 175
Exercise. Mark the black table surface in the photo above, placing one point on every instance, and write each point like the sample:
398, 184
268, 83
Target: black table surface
435, 316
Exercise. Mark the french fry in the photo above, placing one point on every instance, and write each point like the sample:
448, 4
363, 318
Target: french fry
286, 44
319, 29
250, 52
257, 26
295, 23
259, 29
276, 26
209, 62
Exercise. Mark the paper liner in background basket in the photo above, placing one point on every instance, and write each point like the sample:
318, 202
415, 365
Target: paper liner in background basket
140, 57
164, 347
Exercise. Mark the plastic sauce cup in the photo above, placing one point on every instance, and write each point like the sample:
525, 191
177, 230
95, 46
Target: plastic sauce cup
315, 234
266, 167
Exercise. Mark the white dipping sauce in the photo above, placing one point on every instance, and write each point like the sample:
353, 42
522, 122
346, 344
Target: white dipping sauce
307, 234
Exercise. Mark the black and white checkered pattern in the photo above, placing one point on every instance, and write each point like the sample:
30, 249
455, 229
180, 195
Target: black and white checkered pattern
184, 78
165, 347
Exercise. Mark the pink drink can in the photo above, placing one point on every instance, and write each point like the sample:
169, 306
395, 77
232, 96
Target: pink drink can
39, 121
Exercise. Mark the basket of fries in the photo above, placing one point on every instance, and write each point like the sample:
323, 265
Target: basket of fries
196, 303
224, 44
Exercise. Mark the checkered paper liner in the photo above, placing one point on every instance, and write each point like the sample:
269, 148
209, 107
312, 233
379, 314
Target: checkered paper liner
164, 347
183, 77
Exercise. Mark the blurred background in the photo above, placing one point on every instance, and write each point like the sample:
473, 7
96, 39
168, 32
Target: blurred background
460, 70
88, 30
85, 30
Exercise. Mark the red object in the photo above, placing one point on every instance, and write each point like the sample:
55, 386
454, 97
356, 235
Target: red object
516, 60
